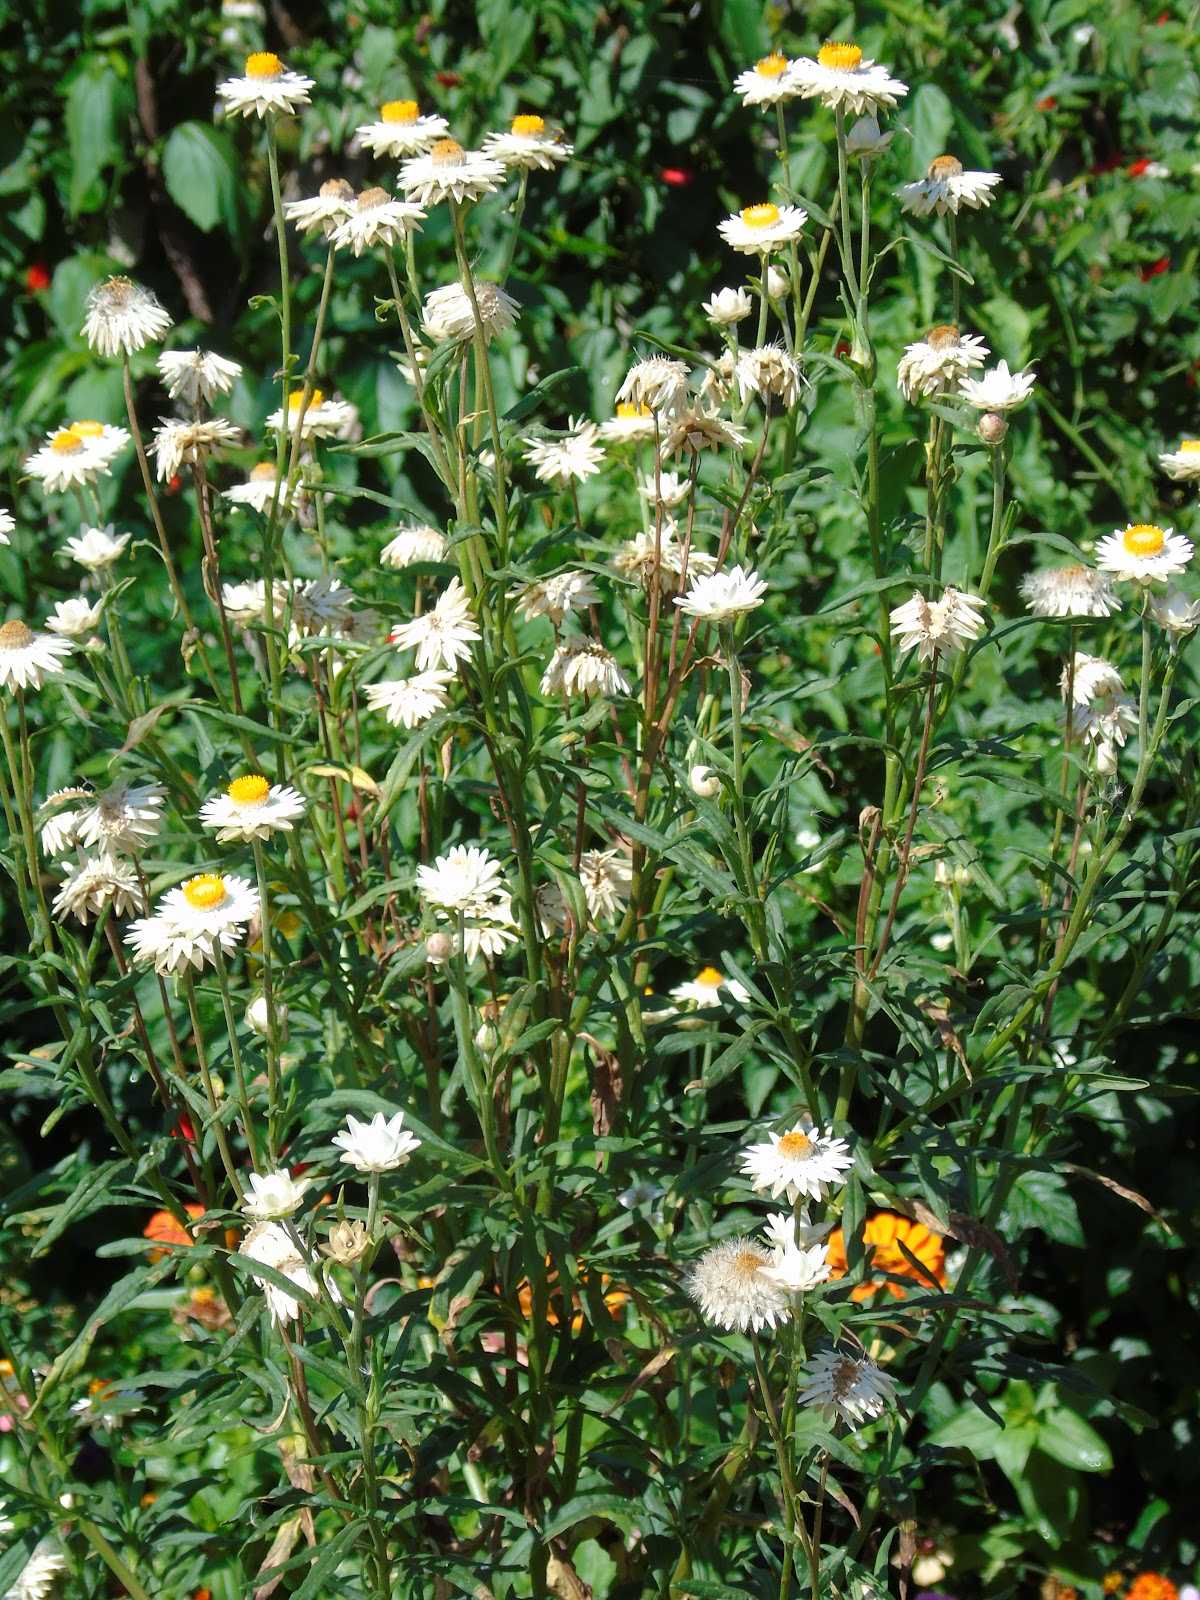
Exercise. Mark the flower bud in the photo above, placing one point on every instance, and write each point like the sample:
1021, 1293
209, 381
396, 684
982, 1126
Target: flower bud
258, 1018
347, 1244
1106, 758
704, 782
778, 283
993, 427
439, 947
865, 140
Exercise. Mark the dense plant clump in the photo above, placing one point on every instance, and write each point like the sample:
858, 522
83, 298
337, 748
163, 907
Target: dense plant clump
598, 697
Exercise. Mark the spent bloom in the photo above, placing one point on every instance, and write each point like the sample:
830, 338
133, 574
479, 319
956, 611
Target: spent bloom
448, 314
527, 145
252, 808
767, 82
853, 1388
410, 545
122, 317
376, 1146
554, 597
267, 89
946, 187
442, 636
944, 625
998, 389
802, 1162
7, 525
1099, 710
936, 363
122, 817
448, 172
376, 218
408, 702
27, 658
640, 556
325, 211
401, 130
722, 596
659, 383
96, 882
840, 77
570, 459
758, 230
730, 1287
197, 375
607, 877
1182, 464
768, 370
273, 1246
1069, 592
178, 444
1143, 553
581, 666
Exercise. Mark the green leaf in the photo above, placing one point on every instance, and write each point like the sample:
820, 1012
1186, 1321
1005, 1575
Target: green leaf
93, 106
201, 175
1068, 1438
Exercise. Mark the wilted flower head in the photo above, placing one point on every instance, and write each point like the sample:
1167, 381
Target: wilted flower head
267, 89
325, 211
853, 1388
95, 883
607, 877
410, 545
554, 597
197, 375
639, 557
581, 666
447, 313
946, 187
1069, 592
769, 370
122, 316
657, 382
1099, 709
944, 625
732, 1291
696, 429
1174, 611
178, 444
273, 1246
935, 364
376, 217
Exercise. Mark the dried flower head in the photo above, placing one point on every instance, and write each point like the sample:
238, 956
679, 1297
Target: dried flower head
730, 1287
946, 187
944, 625
122, 317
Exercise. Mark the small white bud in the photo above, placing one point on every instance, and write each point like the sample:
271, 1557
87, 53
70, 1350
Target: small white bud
258, 1018
993, 428
704, 782
439, 947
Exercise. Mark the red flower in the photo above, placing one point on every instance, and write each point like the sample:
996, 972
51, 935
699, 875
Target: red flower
183, 1129
677, 177
37, 278
448, 80
175, 485
1110, 163
1163, 264
841, 348
1046, 103
1136, 169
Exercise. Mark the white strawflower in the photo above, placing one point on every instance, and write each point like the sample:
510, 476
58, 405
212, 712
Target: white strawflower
197, 375
96, 548
937, 363
554, 597
581, 666
853, 1388
75, 618
998, 389
408, 702
59, 830
252, 808
759, 230
732, 1291
865, 140
767, 82
448, 172
1100, 710
380, 1145
946, 187
638, 557
802, 1162
122, 316
570, 459
96, 882
1182, 464
669, 489
658, 382
442, 637
798, 1262
1143, 553
177, 444
468, 878
273, 1246
376, 218
607, 877
629, 424
268, 89
258, 1018
944, 625
728, 307
840, 77
447, 313
7, 525
191, 922
75, 455
722, 596
1069, 592
704, 990
767, 370
696, 429
323, 418
258, 491
527, 145
274, 1195
123, 817
401, 130
323, 212
37, 1578
411, 545
27, 658
1174, 611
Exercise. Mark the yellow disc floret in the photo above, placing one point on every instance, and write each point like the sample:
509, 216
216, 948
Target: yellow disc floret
528, 127
250, 790
795, 1146
710, 978
627, 410
839, 57
263, 471
772, 66
762, 216
88, 430
399, 111
315, 399
1190, 447
66, 441
205, 892
263, 65
1143, 539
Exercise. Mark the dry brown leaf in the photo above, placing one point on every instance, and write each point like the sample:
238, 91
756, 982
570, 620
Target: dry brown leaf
940, 1018
563, 1581
606, 1086
654, 1366
1118, 1188
282, 1546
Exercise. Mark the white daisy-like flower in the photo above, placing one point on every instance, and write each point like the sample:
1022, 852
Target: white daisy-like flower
268, 89
1174, 611
37, 1577
380, 1145
123, 817
1182, 464
75, 618
769, 370
1143, 553
728, 307
273, 1246
696, 429
325, 211
1069, 592
75, 455
192, 921
581, 666
704, 990
252, 808
660, 383
722, 596
448, 314
377, 218
122, 316
178, 444
946, 187
59, 830
937, 363
197, 375
27, 658
998, 389
629, 424
408, 702
638, 557
401, 130
448, 172
799, 1261
731, 1289
410, 545
96, 548
802, 1162
841, 77
323, 419
554, 597
865, 139
761, 229
944, 625
7, 525
767, 82
258, 491
442, 636
325, 605
1100, 710
669, 489
528, 145
96, 882
273, 1195
467, 878
489, 930
570, 459
607, 877
244, 603
854, 1388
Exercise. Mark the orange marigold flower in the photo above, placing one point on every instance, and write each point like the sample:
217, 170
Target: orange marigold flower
1152, 1586
614, 1299
162, 1229
888, 1232
1112, 1582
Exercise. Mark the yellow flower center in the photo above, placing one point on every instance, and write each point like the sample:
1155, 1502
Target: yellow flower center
264, 470
399, 111
772, 66
795, 1146
88, 430
710, 978
763, 216
315, 399
628, 410
370, 198
65, 442
15, 635
264, 66
248, 791
839, 57
447, 153
1143, 539
528, 126
944, 337
945, 167
205, 892
1190, 447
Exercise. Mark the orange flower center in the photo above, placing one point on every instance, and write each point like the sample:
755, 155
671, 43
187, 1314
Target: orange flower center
264, 470
796, 1146
263, 66
772, 66
945, 167
15, 635
762, 216
1143, 539
205, 892
65, 442
248, 791
710, 978
447, 153
528, 126
944, 337
839, 57
399, 111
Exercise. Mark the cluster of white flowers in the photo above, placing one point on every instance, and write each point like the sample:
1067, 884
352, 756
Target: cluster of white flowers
466, 888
